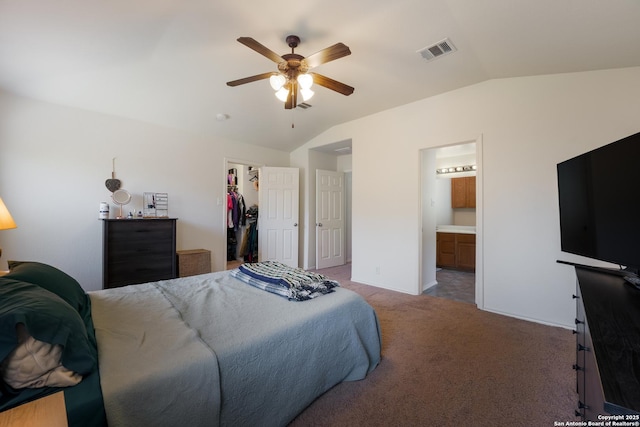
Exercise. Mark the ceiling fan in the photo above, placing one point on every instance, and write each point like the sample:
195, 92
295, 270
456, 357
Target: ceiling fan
293, 71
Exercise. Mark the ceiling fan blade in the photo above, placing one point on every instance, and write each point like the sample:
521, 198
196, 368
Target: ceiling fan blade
261, 49
250, 79
332, 84
331, 53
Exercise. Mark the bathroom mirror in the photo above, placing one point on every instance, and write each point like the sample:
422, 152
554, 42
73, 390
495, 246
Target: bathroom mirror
121, 197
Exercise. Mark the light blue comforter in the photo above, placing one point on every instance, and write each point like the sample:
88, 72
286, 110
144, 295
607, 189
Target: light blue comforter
210, 350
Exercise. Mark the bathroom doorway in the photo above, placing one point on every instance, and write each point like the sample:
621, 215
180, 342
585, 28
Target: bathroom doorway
451, 238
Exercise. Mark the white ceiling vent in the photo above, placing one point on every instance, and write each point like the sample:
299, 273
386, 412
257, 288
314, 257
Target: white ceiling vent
304, 105
443, 47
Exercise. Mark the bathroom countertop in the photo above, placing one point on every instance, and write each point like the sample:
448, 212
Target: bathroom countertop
461, 229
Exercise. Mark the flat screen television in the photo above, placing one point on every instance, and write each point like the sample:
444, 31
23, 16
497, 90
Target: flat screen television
599, 196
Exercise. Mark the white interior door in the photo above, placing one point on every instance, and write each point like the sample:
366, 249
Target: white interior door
330, 219
278, 215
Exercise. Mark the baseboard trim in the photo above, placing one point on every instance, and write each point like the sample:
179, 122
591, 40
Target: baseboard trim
426, 286
377, 285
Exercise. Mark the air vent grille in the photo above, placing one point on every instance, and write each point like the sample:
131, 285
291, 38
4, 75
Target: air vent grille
304, 105
443, 47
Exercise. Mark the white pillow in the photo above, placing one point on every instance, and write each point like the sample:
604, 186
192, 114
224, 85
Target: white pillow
36, 364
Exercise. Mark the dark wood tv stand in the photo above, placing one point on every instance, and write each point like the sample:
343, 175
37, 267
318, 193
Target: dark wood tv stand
608, 345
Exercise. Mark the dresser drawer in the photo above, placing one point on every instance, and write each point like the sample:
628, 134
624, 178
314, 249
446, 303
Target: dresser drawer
139, 271
138, 232
138, 251
120, 250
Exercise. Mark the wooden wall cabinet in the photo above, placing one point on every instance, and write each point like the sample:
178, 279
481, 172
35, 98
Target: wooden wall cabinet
456, 250
138, 251
463, 192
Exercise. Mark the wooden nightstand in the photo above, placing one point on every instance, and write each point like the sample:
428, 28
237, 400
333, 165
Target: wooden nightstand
48, 411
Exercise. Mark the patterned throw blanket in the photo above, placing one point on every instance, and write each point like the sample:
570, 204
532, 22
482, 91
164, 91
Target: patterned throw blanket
293, 283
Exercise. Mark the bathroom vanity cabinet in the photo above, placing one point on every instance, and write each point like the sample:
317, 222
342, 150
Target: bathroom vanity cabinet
456, 250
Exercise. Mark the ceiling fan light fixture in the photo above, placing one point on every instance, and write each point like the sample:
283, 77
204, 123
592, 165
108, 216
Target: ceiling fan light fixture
305, 81
293, 77
306, 94
282, 94
277, 81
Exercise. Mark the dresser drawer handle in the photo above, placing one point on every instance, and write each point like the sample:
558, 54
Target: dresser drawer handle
577, 368
582, 348
579, 322
582, 405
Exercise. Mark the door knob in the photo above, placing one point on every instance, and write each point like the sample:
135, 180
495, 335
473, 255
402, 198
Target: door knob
319, 224
295, 224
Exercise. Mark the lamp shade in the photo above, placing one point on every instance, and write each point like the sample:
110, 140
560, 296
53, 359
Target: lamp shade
277, 81
282, 94
305, 80
306, 94
6, 221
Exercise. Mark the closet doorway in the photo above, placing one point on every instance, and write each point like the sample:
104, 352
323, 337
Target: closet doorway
241, 212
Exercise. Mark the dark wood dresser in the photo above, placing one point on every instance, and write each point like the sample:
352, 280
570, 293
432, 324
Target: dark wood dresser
138, 251
608, 347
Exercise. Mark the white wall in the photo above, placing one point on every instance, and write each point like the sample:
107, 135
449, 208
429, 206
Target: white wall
345, 165
429, 211
452, 161
348, 252
527, 125
442, 200
54, 162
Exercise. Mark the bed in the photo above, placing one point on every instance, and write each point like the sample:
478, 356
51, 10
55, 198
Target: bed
207, 350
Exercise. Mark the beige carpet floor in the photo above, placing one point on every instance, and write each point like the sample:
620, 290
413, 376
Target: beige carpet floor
446, 363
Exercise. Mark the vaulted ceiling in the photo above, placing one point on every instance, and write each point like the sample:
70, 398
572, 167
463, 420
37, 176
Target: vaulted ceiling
167, 61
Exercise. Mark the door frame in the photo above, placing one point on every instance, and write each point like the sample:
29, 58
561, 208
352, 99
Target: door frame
479, 273
223, 201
